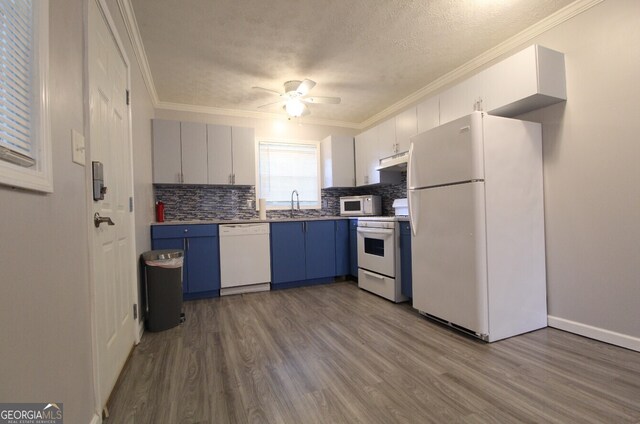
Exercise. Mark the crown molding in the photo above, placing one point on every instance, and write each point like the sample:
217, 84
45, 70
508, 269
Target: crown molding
467, 69
183, 107
130, 23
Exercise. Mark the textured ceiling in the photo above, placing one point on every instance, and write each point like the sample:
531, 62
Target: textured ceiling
371, 53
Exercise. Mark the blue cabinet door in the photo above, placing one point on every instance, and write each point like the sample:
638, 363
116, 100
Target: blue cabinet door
203, 261
353, 247
406, 279
320, 238
287, 252
342, 247
179, 244
201, 267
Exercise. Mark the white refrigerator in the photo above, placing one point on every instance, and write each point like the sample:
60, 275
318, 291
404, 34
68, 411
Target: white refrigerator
476, 208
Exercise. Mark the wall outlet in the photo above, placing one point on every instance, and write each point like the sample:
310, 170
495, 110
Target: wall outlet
249, 203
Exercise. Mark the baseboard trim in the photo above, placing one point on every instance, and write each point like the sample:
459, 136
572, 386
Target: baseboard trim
140, 331
95, 419
596, 333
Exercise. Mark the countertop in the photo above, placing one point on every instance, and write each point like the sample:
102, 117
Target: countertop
251, 220
254, 220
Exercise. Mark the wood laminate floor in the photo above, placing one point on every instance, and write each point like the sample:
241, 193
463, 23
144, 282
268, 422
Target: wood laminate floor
337, 354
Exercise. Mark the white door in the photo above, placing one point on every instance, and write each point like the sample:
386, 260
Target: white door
113, 250
448, 254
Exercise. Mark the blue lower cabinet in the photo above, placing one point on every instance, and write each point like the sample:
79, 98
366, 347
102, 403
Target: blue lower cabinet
305, 253
353, 248
320, 248
201, 268
288, 257
405, 260
342, 247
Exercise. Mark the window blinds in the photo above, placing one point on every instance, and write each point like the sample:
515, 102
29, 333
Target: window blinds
285, 167
16, 57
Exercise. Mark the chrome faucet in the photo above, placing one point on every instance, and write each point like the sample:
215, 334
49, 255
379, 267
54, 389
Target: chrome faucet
297, 199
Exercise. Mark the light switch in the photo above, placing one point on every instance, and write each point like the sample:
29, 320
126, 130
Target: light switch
77, 147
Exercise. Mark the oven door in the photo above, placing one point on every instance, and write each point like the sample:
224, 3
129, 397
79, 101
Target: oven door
376, 250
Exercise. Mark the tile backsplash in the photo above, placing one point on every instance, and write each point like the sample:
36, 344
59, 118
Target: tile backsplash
189, 202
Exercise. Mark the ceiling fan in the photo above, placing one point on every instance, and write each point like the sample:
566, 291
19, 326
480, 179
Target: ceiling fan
296, 97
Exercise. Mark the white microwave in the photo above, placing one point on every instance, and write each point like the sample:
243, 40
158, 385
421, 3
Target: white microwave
360, 206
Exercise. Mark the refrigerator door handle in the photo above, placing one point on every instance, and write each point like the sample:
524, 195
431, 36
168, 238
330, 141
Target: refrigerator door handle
413, 212
410, 167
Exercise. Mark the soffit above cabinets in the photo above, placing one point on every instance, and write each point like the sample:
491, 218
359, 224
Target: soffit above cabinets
372, 54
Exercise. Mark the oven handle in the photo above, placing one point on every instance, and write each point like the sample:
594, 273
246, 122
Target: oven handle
381, 231
371, 274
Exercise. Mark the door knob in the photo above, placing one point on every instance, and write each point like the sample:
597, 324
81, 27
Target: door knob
97, 220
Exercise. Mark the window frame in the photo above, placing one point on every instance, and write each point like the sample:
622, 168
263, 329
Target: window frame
38, 177
314, 143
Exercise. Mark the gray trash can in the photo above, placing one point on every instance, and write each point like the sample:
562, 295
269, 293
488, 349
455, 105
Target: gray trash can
163, 284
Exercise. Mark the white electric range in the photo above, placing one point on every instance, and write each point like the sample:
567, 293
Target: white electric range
379, 256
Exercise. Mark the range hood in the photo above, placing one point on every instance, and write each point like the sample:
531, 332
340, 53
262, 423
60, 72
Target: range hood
394, 163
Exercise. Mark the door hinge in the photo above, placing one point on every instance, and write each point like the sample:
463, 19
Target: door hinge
131, 204
135, 311
128, 97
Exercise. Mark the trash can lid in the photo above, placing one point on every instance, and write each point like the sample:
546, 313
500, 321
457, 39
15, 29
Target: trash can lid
162, 255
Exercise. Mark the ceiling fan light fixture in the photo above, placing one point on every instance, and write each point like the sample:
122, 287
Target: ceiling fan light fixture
294, 107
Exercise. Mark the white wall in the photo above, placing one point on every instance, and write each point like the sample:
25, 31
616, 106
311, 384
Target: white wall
592, 171
45, 348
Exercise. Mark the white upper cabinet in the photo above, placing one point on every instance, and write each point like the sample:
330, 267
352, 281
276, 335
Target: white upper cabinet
167, 165
244, 155
193, 137
406, 127
365, 143
386, 133
231, 152
196, 153
528, 80
220, 154
367, 146
179, 152
428, 113
337, 155
461, 99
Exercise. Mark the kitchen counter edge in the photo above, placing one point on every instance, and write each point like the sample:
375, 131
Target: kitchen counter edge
252, 221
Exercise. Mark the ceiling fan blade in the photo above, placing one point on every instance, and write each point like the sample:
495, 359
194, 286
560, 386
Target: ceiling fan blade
321, 99
270, 104
268, 90
305, 86
305, 111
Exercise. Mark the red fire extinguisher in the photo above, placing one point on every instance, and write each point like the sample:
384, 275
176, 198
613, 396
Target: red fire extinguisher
159, 211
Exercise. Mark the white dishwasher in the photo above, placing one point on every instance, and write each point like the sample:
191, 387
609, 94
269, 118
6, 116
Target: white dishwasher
245, 258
